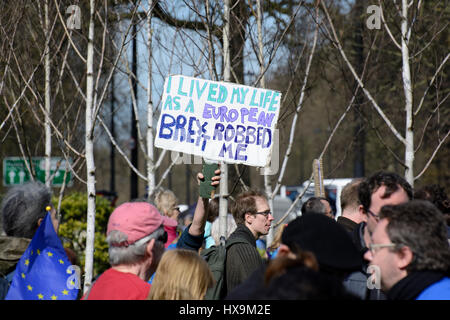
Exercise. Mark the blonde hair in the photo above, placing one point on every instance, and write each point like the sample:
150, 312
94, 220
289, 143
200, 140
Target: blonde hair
277, 238
181, 275
165, 200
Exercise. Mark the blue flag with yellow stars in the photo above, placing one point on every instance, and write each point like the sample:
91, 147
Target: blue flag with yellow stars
44, 271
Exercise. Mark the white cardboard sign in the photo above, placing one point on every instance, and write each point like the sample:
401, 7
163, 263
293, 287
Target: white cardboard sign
219, 121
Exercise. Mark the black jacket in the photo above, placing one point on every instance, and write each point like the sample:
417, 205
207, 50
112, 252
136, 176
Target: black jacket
242, 258
348, 224
356, 283
297, 283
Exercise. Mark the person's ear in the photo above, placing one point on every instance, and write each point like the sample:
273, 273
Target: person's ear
362, 213
149, 248
39, 222
405, 257
284, 251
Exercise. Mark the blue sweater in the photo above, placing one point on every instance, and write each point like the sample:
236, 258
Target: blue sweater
437, 291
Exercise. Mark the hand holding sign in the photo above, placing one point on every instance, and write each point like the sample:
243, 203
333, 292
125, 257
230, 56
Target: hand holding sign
207, 190
209, 179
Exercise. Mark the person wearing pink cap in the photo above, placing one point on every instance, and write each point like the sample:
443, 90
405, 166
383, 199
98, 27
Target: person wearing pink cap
136, 238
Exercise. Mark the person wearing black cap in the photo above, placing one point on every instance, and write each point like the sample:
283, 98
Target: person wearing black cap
310, 235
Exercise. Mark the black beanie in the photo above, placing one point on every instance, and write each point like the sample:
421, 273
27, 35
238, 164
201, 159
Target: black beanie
326, 239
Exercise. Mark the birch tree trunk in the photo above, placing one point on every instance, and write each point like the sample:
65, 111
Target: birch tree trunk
406, 75
48, 130
262, 82
150, 147
223, 201
90, 164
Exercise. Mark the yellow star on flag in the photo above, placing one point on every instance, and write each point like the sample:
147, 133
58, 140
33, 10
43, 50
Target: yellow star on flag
61, 262
38, 252
65, 292
54, 297
50, 254
40, 296
30, 288
27, 262
23, 275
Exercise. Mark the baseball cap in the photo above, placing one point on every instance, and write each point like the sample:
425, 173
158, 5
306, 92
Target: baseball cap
326, 239
137, 220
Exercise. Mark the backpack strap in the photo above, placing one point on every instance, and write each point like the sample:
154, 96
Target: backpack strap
231, 242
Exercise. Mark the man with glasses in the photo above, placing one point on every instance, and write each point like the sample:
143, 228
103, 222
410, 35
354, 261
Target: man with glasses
410, 253
253, 218
380, 189
136, 239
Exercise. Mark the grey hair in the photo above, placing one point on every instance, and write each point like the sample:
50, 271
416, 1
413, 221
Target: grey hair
133, 253
22, 207
231, 226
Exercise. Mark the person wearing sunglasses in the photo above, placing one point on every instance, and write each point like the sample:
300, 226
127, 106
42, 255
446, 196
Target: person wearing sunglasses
136, 238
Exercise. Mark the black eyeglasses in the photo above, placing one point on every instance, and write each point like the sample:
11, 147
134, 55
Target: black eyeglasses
163, 237
264, 213
375, 216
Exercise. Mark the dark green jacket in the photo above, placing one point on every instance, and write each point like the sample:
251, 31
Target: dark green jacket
242, 258
11, 250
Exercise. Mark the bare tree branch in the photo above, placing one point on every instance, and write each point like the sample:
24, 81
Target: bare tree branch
432, 156
431, 82
338, 45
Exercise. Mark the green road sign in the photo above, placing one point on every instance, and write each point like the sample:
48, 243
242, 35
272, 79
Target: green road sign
15, 171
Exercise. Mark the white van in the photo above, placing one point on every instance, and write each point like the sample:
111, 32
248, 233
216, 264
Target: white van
333, 190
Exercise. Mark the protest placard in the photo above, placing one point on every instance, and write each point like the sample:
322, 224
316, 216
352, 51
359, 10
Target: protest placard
220, 121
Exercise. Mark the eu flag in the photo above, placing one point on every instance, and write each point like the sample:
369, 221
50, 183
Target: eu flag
44, 271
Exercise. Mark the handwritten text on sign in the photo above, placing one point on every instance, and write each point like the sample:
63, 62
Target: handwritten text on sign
218, 120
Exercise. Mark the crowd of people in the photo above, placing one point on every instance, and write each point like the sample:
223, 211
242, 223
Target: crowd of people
390, 243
